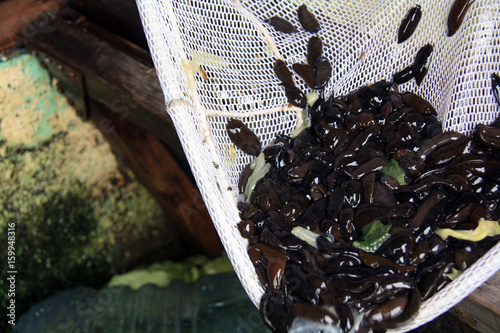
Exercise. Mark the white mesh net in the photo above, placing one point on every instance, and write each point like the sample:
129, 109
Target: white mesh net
215, 60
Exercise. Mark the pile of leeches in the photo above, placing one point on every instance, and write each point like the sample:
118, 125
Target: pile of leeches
370, 210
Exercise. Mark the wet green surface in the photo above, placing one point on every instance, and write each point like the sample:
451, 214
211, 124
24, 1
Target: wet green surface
214, 303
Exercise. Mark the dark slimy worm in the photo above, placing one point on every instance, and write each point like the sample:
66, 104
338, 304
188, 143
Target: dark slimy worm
409, 23
457, 14
281, 24
308, 20
243, 137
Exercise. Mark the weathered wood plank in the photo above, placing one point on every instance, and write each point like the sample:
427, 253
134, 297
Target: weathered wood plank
153, 164
95, 57
120, 17
481, 309
120, 81
119, 42
16, 15
488, 295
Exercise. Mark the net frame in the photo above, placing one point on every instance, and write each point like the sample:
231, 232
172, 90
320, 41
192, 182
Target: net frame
214, 61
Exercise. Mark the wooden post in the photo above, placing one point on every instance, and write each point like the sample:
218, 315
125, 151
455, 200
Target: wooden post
153, 164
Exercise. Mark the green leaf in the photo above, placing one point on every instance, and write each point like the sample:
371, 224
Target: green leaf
373, 236
394, 170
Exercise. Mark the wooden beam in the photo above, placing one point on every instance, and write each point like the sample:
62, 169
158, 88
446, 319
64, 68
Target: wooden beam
153, 164
120, 17
481, 309
99, 59
120, 81
17, 17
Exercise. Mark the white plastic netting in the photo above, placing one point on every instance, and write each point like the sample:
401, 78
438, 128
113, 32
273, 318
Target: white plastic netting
215, 58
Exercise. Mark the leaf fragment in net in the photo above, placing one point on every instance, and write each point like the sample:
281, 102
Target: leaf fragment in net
485, 228
394, 170
373, 235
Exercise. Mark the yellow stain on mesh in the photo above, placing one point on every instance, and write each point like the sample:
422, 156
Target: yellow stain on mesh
230, 156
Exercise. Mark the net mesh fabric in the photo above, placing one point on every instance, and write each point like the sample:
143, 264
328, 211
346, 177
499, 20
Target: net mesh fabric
214, 60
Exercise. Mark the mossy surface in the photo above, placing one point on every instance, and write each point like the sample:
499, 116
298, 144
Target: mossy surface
80, 215
32, 110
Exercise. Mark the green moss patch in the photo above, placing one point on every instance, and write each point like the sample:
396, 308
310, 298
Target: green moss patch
80, 215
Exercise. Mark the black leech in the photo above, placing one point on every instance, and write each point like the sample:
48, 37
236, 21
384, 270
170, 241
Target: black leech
281, 24
457, 14
308, 20
409, 23
421, 63
243, 137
